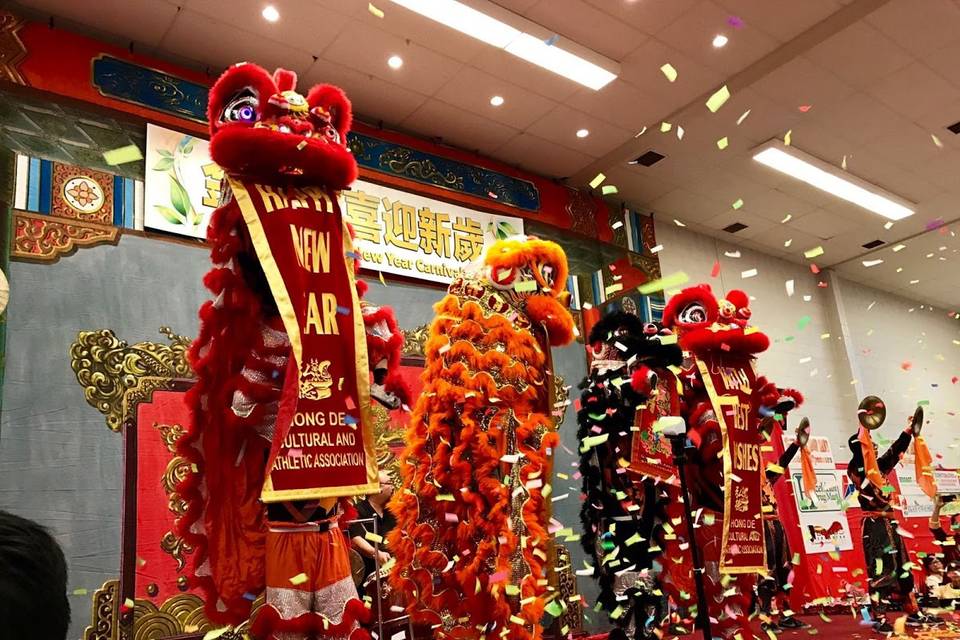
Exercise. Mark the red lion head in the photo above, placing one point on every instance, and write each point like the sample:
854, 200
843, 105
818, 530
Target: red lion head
705, 324
261, 128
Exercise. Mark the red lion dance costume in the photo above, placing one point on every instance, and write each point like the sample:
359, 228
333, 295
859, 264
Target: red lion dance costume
723, 403
278, 435
471, 539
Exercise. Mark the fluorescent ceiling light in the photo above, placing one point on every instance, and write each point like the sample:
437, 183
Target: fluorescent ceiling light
514, 36
464, 19
553, 58
833, 180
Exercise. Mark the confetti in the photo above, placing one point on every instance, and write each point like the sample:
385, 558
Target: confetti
300, 578
80, 592
804, 108
743, 116
216, 633
374, 10
669, 72
716, 269
749, 273
936, 141
843, 163
718, 99
735, 22
787, 243
597, 180
739, 203
803, 322
872, 263
608, 189
668, 282
680, 132
344, 311
788, 137
809, 254
122, 155
656, 249
678, 223
665, 127
899, 247
525, 286
301, 145
372, 537
786, 218
723, 143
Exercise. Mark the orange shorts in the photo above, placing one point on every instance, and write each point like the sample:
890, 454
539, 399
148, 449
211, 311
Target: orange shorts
309, 581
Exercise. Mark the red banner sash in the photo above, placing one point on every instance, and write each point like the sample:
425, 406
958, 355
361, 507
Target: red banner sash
729, 381
321, 448
650, 451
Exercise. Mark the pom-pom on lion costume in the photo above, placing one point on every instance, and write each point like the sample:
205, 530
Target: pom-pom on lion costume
471, 540
285, 158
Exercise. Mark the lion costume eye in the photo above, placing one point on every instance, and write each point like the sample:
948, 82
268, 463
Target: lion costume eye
242, 108
693, 313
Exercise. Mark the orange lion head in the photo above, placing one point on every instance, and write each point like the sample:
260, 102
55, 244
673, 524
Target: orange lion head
533, 274
262, 129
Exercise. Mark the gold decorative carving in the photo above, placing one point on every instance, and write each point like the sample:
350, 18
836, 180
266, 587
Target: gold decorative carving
105, 613
415, 341
561, 397
401, 162
12, 50
116, 375
178, 615
177, 469
41, 238
572, 616
386, 437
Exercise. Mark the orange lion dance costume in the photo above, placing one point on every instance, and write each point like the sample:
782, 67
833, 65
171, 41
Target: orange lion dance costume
471, 540
283, 388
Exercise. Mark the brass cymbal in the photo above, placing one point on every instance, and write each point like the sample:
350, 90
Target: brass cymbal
803, 432
917, 421
872, 412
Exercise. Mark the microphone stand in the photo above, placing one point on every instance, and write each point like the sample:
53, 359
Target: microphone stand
678, 443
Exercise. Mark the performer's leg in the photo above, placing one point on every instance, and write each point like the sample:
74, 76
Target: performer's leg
334, 594
289, 595
728, 614
784, 566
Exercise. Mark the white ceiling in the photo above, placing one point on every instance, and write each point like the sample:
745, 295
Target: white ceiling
879, 77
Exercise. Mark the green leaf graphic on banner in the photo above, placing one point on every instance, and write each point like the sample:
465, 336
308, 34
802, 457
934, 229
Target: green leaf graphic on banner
169, 214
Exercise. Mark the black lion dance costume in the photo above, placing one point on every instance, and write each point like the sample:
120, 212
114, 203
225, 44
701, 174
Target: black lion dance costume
622, 462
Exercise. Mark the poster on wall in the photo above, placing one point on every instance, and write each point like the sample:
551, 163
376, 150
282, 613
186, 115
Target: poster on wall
915, 503
409, 235
182, 184
823, 522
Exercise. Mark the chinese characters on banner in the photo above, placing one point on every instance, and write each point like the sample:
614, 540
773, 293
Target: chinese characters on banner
181, 187
823, 522
409, 235
397, 232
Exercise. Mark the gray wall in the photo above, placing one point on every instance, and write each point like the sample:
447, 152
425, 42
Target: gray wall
59, 464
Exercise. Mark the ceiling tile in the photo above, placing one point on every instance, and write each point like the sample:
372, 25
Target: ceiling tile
944, 62
366, 48
801, 82
471, 89
908, 146
561, 125
311, 36
860, 55
143, 21
774, 205
755, 226
822, 224
687, 206
694, 32
914, 91
517, 6
366, 93
619, 103
410, 25
920, 29
542, 156
587, 26
642, 69
635, 187
507, 67
436, 119
859, 118
782, 20
230, 46
649, 16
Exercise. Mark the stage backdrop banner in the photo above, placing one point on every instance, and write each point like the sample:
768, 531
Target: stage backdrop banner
397, 232
409, 235
823, 523
181, 187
